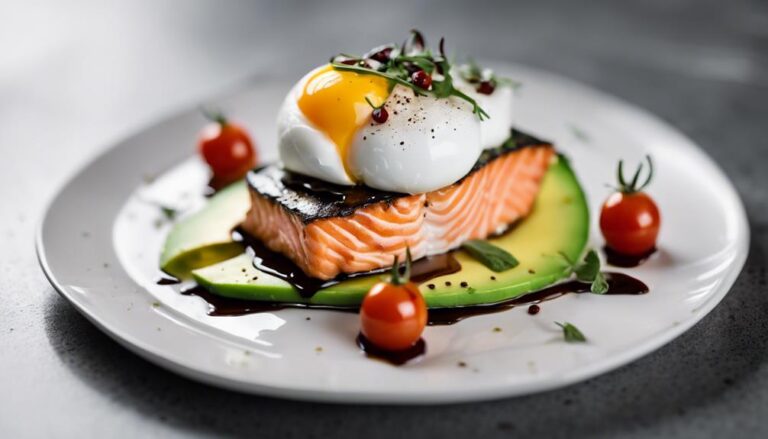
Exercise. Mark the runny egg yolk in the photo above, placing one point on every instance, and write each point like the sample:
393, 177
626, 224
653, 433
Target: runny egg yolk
334, 102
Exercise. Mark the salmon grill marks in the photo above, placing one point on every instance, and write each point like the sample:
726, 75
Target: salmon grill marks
329, 230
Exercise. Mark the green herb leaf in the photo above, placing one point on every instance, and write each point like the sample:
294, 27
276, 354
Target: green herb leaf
398, 70
579, 134
495, 258
425, 63
599, 285
472, 73
169, 213
510, 143
506, 82
571, 333
588, 270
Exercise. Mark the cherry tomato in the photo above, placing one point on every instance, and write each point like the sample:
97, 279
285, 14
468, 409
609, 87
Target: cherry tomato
393, 317
393, 314
630, 223
629, 219
227, 149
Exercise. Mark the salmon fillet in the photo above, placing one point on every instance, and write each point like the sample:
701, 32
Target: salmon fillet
355, 238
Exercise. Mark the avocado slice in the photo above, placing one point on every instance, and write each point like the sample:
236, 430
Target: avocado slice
205, 237
558, 224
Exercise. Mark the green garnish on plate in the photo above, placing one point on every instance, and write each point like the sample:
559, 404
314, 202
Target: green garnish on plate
571, 333
589, 271
493, 257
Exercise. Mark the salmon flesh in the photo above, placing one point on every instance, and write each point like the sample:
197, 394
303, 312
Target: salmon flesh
329, 230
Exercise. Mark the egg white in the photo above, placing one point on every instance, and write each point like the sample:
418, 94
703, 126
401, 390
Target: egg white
499, 105
302, 147
426, 144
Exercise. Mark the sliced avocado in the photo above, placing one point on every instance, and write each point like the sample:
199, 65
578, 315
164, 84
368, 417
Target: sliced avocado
204, 238
558, 224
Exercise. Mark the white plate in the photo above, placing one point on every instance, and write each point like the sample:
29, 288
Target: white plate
99, 246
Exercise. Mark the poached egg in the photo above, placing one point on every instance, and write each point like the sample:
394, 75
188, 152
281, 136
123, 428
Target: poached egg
325, 130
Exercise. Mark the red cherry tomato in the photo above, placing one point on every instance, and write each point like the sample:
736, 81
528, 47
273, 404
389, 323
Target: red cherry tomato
227, 149
393, 317
630, 223
629, 219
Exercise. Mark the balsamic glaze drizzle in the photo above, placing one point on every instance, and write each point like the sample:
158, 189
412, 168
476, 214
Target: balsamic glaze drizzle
618, 284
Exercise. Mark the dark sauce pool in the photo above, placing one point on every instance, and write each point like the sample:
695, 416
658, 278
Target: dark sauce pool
168, 281
626, 261
397, 358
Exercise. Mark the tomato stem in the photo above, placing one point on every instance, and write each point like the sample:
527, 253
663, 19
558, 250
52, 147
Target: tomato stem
633, 187
214, 115
397, 278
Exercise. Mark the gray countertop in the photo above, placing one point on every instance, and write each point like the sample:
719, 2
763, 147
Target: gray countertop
76, 76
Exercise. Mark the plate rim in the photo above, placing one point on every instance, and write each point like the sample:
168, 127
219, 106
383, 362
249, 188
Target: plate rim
596, 368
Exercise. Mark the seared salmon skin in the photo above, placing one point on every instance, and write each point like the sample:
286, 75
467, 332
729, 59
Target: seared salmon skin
329, 230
